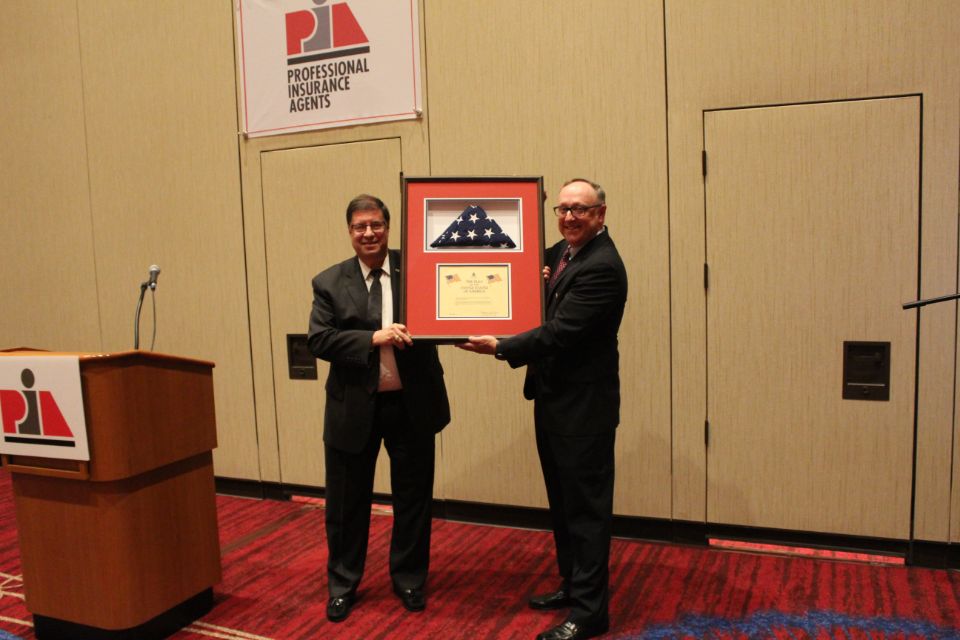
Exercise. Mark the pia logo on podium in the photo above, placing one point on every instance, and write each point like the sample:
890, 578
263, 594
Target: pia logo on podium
322, 32
41, 407
33, 417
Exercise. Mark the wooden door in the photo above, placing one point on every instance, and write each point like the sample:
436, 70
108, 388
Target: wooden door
305, 196
812, 218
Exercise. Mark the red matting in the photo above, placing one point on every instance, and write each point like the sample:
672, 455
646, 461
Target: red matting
419, 312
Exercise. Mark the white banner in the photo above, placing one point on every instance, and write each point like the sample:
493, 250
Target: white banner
41, 407
314, 64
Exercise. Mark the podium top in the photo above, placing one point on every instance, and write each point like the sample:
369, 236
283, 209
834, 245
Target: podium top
87, 356
143, 410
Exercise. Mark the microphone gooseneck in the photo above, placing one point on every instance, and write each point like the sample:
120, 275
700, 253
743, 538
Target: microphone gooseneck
150, 283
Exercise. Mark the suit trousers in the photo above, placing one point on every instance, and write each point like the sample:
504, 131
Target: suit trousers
349, 497
578, 472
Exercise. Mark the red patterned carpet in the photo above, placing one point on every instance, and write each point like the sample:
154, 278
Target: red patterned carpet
274, 587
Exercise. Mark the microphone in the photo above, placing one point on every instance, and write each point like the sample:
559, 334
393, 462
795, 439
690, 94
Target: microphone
151, 284
154, 273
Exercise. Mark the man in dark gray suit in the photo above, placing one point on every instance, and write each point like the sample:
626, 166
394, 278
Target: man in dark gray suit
381, 387
573, 376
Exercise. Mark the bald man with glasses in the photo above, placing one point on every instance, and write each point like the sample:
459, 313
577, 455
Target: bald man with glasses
573, 377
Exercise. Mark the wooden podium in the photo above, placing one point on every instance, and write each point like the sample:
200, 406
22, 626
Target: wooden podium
126, 545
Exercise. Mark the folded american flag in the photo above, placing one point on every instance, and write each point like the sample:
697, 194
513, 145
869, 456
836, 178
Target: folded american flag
474, 228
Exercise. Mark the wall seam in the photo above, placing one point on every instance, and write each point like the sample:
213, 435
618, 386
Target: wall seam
86, 152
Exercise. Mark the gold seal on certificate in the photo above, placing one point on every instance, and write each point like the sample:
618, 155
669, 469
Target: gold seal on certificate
466, 291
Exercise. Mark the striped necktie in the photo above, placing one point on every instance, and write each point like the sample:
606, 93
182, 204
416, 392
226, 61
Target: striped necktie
564, 259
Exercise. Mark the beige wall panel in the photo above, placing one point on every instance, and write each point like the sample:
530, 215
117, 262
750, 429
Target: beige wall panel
413, 143
488, 452
161, 121
47, 271
560, 89
955, 490
812, 221
756, 52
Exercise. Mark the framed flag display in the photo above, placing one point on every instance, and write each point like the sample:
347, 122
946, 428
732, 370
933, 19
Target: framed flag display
473, 256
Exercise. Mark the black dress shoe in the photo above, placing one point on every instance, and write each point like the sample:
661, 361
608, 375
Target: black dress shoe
338, 607
556, 600
412, 599
573, 631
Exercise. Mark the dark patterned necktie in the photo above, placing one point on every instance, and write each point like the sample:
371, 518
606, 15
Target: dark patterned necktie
375, 318
564, 259
375, 301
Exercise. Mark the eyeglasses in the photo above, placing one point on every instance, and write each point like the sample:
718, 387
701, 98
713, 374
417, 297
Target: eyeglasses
578, 211
361, 227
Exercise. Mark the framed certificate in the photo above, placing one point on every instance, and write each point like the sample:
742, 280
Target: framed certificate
473, 255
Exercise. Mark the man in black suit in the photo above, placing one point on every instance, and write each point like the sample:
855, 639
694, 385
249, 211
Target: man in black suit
573, 377
381, 387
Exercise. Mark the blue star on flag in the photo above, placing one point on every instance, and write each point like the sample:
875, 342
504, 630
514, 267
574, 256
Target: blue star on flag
474, 228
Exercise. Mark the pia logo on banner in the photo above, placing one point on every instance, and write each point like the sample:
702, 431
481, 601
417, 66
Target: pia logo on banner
324, 32
32, 416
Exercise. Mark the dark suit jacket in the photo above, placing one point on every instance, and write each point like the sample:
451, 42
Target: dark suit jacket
341, 335
573, 364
